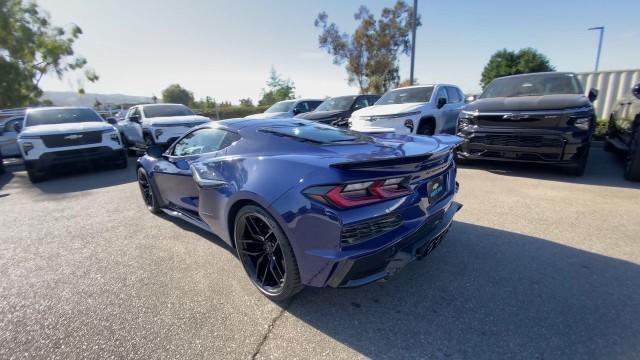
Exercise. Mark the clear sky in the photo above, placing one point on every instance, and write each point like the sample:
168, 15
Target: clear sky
224, 49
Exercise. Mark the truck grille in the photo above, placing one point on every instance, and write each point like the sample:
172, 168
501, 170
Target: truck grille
534, 141
356, 233
72, 139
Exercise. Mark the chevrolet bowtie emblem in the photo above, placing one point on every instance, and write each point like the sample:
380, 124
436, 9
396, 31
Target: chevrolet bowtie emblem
73, 137
515, 116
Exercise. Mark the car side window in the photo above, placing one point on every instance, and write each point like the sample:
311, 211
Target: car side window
442, 93
362, 102
204, 141
453, 94
9, 126
313, 105
302, 107
136, 111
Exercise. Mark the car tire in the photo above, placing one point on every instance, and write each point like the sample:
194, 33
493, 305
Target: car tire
632, 166
577, 168
148, 140
149, 195
34, 176
122, 162
426, 127
265, 252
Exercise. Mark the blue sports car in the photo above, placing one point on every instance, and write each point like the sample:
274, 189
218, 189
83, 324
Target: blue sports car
305, 203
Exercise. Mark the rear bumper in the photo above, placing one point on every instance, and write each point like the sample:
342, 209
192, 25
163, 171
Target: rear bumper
363, 270
523, 145
76, 156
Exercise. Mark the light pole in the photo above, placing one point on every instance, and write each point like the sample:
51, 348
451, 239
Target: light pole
601, 28
413, 39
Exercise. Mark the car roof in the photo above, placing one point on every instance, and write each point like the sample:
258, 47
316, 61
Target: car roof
423, 85
30, 110
159, 104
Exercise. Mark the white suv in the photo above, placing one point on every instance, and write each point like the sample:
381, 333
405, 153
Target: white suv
159, 124
422, 110
49, 137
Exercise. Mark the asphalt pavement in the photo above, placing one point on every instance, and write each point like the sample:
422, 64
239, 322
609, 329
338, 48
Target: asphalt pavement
537, 265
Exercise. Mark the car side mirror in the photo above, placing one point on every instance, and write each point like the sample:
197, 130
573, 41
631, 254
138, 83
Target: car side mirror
593, 95
134, 118
112, 121
635, 90
441, 102
155, 151
470, 99
17, 127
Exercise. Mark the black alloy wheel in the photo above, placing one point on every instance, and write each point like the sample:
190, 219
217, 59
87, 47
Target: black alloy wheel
148, 195
266, 254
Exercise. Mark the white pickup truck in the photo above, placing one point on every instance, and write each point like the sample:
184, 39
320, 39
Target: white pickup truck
422, 110
157, 124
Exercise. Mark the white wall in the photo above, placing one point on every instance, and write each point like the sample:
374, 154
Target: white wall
612, 85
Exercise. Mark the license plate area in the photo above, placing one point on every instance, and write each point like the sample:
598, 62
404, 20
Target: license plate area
436, 189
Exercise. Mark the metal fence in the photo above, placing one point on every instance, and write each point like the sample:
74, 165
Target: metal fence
611, 85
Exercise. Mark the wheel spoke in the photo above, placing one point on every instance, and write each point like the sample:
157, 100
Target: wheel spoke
251, 241
277, 267
252, 253
252, 227
266, 268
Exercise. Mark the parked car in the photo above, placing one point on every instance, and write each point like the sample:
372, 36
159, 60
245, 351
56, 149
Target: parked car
306, 203
55, 136
623, 133
336, 111
287, 109
9, 136
159, 124
538, 118
422, 110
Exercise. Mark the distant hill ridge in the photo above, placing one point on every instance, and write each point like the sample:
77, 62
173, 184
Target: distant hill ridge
70, 98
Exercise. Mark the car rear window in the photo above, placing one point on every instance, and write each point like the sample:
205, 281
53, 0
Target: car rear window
318, 133
61, 116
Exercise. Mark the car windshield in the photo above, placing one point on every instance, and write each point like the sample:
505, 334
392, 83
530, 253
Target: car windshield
166, 111
533, 85
340, 103
282, 106
406, 95
319, 134
61, 116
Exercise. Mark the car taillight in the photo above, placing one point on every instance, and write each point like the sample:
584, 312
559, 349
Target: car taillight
362, 193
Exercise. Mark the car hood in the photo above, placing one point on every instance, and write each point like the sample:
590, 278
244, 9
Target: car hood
51, 129
190, 120
389, 109
322, 115
276, 115
529, 103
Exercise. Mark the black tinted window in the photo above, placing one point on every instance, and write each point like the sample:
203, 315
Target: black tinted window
318, 133
204, 141
61, 116
166, 110
533, 85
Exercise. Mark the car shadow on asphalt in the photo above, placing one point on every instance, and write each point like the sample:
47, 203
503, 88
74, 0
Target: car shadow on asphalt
80, 178
214, 239
487, 294
603, 169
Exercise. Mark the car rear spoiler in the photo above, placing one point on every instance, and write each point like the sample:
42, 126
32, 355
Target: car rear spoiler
377, 164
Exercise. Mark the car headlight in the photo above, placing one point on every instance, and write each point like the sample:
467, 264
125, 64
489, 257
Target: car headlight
26, 147
390, 116
582, 123
157, 133
465, 118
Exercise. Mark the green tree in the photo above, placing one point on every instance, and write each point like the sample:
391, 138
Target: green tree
247, 102
371, 52
506, 62
278, 89
31, 47
175, 93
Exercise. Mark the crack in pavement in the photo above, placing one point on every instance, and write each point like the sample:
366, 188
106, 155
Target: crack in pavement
273, 322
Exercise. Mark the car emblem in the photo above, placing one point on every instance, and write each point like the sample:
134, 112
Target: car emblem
73, 137
515, 117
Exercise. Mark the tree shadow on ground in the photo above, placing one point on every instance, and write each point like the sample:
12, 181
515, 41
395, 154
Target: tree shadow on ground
487, 294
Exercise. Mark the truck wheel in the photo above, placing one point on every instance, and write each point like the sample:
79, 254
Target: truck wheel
148, 140
427, 127
123, 161
632, 167
35, 177
577, 168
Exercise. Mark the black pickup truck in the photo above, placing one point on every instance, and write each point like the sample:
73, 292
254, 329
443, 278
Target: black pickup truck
537, 117
623, 133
